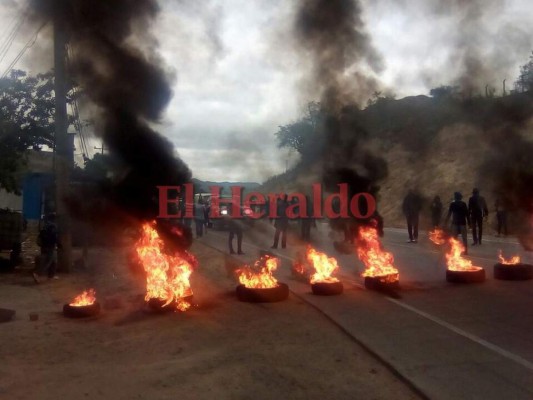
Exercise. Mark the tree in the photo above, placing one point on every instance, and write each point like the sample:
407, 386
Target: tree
444, 92
98, 169
524, 83
298, 134
379, 98
26, 121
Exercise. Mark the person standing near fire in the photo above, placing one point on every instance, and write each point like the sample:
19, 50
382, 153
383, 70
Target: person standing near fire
281, 222
411, 207
501, 216
460, 218
478, 211
307, 222
199, 218
48, 240
235, 229
436, 212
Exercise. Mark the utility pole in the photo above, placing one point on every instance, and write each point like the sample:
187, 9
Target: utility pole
64, 151
100, 148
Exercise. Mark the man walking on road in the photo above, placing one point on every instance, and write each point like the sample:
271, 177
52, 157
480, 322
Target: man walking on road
281, 223
411, 207
501, 216
477, 209
460, 218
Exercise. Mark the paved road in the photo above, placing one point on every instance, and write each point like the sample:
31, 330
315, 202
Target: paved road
449, 341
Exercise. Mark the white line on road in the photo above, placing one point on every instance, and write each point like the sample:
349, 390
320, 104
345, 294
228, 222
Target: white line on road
476, 339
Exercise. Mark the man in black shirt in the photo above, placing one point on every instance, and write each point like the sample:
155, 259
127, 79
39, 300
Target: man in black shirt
460, 218
412, 204
477, 209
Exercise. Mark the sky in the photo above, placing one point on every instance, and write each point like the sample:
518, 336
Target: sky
237, 76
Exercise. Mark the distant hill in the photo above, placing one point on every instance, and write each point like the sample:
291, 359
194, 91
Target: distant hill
438, 146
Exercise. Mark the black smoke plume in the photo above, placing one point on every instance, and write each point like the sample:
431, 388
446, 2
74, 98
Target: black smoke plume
130, 89
331, 35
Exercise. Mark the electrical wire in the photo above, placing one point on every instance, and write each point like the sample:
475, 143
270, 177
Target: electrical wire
13, 30
76, 113
29, 44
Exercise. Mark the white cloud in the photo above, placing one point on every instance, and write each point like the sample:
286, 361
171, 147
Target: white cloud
237, 81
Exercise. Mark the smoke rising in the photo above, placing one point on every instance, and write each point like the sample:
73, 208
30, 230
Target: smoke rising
332, 35
482, 51
130, 88
509, 165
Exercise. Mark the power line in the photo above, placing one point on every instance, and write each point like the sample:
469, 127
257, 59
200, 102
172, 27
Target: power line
29, 44
76, 112
13, 30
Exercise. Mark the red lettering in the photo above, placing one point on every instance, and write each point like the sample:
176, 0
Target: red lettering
342, 197
234, 201
317, 200
164, 201
370, 205
301, 205
273, 204
189, 200
254, 199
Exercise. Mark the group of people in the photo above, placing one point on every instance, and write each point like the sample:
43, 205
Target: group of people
461, 214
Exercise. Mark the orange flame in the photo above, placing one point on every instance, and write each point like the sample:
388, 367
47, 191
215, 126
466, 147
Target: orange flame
167, 276
260, 275
377, 261
513, 261
437, 236
324, 266
454, 259
87, 298
298, 267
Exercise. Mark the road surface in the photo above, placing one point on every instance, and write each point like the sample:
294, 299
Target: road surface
449, 341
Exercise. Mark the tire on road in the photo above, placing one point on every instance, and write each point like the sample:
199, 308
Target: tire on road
380, 283
269, 295
81, 311
156, 305
476, 276
327, 288
515, 272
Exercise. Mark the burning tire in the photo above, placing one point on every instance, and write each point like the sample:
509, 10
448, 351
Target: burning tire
327, 288
158, 305
514, 272
475, 276
269, 295
381, 283
266, 253
81, 311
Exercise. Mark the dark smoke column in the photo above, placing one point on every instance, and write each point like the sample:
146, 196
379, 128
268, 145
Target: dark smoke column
330, 35
130, 88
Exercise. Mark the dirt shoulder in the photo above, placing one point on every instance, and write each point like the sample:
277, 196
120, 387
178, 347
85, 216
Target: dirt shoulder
221, 348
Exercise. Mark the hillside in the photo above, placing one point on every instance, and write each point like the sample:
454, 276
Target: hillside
435, 146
